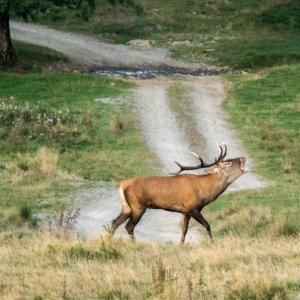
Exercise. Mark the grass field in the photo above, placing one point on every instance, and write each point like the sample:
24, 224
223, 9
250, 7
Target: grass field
264, 108
58, 129
256, 251
41, 266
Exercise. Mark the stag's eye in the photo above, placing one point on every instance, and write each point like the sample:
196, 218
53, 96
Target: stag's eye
227, 163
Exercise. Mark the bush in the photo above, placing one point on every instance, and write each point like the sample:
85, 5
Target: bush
25, 212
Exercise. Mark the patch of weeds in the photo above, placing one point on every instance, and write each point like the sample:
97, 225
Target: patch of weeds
284, 15
273, 291
2, 168
63, 222
23, 166
161, 275
250, 221
106, 252
21, 123
112, 295
117, 125
289, 228
25, 212
294, 285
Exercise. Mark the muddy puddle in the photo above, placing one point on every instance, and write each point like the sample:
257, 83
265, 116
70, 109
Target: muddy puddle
152, 72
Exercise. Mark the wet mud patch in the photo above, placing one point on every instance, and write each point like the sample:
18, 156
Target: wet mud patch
152, 72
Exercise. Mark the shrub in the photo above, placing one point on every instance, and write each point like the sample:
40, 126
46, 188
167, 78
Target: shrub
25, 212
289, 228
63, 222
116, 125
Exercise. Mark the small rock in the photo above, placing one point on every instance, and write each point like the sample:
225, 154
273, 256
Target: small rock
140, 43
181, 43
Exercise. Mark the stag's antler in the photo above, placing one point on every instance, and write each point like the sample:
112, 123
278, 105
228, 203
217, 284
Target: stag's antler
202, 163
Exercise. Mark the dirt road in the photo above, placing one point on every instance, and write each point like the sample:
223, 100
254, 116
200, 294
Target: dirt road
167, 134
90, 51
194, 123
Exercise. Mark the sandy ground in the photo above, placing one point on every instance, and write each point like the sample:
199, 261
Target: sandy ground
197, 123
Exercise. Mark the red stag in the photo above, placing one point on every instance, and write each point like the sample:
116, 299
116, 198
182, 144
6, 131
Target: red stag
185, 193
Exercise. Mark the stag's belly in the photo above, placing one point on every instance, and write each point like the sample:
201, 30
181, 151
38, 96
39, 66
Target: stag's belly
177, 207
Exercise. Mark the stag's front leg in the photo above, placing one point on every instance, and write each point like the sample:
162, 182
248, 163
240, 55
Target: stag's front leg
196, 214
185, 225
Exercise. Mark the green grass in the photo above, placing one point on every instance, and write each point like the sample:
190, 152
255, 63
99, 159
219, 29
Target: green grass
265, 109
37, 56
33, 58
55, 128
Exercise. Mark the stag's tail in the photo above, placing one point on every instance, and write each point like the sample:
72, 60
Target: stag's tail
125, 205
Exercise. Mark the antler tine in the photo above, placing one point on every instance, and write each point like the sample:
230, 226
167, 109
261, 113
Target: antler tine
225, 152
181, 168
220, 156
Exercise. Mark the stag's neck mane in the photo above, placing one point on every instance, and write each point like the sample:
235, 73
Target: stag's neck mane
211, 185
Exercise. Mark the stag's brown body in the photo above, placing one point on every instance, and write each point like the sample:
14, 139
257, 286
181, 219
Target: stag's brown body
186, 194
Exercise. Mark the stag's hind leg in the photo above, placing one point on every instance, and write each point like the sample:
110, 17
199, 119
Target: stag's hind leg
185, 225
135, 218
119, 220
125, 213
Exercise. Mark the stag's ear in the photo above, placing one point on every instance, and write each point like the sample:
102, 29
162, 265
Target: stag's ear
213, 171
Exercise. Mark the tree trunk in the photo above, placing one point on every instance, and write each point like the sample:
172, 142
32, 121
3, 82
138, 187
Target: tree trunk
7, 52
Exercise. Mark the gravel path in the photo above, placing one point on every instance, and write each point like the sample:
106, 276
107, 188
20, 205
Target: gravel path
90, 51
170, 130
166, 135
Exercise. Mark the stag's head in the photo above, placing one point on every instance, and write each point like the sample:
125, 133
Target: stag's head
229, 169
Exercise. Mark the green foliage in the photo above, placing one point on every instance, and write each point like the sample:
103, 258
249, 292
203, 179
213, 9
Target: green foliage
285, 15
35, 58
30, 8
271, 101
112, 295
289, 227
272, 292
258, 52
25, 212
105, 253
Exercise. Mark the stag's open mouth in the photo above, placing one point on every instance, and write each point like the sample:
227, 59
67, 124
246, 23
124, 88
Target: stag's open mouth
243, 162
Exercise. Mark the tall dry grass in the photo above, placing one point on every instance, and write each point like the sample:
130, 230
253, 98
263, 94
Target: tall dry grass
48, 159
40, 265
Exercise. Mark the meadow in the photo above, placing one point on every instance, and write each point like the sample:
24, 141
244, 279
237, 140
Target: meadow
255, 254
66, 131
